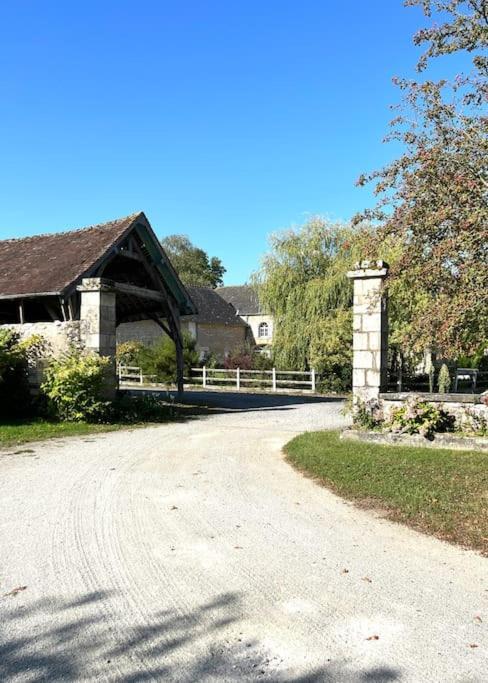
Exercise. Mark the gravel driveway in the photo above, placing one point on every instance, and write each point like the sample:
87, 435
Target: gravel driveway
193, 552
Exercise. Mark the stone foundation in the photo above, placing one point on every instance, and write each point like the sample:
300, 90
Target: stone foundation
447, 441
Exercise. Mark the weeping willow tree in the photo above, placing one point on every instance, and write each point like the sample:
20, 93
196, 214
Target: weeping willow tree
302, 282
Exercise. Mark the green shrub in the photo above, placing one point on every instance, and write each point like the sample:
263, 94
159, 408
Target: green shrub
132, 410
419, 417
15, 398
159, 360
128, 352
444, 379
365, 414
73, 386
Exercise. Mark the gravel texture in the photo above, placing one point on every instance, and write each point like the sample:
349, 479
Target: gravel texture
193, 552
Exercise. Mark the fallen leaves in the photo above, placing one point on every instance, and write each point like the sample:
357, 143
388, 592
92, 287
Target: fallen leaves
373, 638
15, 591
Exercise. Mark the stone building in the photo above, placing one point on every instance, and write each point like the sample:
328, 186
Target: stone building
77, 287
216, 327
245, 300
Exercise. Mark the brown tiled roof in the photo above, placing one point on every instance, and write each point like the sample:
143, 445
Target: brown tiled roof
212, 309
49, 264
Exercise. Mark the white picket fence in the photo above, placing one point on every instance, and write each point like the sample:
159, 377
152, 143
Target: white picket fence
274, 380
266, 379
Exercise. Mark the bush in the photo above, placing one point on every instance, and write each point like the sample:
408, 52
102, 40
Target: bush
473, 422
419, 417
159, 360
366, 414
132, 410
73, 386
239, 358
128, 352
444, 379
15, 356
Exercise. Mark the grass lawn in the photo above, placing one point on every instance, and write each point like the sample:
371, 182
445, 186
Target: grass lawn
441, 492
17, 432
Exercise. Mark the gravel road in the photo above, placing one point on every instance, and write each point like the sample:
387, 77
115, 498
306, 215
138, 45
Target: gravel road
193, 552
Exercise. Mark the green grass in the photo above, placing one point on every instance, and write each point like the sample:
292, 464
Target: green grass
17, 432
441, 492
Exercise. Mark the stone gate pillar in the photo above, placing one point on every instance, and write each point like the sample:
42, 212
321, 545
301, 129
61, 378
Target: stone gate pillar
370, 330
98, 323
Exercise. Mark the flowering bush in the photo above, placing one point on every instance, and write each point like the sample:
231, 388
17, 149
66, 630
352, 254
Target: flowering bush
473, 422
419, 417
367, 414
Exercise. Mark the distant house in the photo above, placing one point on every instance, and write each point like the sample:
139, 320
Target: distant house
245, 300
216, 327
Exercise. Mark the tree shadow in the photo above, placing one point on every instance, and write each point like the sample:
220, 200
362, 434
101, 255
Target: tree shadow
88, 638
227, 401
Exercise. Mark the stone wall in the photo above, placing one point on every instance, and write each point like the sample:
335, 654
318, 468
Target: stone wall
145, 331
211, 338
220, 339
59, 337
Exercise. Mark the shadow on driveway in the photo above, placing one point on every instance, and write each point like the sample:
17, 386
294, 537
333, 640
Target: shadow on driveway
227, 401
87, 638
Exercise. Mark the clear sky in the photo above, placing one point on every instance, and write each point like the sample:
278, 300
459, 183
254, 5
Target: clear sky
220, 119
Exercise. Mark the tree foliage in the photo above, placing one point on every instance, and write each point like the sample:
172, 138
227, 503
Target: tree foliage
302, 283
193, 264
464, 28
433, 198
159, 359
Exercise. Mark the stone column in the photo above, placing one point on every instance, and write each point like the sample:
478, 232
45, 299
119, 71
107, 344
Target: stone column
98, 322
370, 330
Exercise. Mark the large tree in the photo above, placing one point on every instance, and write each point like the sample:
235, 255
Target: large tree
433, 199
302, 282
193, 264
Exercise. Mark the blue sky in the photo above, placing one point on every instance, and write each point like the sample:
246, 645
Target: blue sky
222, 120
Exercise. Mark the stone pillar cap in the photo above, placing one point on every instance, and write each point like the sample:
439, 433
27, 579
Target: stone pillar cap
96, 284
369, 269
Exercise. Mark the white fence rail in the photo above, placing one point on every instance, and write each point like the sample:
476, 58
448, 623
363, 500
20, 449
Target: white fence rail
265, 379
273, 380
132, 374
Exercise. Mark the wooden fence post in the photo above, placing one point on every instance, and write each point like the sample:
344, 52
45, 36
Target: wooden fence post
238, 378
312, 378
274, 379
204, 376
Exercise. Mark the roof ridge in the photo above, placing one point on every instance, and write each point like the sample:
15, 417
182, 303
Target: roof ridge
132, 216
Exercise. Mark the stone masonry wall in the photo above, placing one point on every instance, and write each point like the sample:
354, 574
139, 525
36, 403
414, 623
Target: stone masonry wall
59, 337
370, 330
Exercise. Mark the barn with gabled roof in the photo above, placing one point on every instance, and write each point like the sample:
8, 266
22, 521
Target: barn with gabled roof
80, 284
